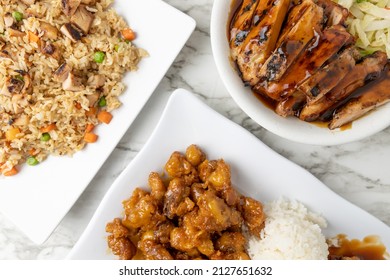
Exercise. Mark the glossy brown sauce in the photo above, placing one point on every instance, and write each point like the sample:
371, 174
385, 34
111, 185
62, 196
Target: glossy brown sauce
370, 248
268, 102
324, 120
375, 84
271, 104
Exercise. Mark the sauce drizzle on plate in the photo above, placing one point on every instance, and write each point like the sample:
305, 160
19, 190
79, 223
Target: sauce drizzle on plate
370, 248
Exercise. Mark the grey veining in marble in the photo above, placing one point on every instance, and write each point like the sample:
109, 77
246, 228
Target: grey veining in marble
358, 171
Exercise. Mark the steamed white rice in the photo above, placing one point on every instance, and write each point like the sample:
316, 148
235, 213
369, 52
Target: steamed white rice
291, 232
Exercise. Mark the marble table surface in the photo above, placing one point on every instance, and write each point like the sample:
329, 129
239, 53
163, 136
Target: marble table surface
357, 171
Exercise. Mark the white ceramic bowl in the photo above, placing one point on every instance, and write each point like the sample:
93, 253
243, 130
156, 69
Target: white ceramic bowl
290, 128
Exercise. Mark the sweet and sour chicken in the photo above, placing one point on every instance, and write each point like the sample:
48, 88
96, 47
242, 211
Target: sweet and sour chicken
194, 213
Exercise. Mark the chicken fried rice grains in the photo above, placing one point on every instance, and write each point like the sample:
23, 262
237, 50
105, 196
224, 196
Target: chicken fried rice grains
61, 66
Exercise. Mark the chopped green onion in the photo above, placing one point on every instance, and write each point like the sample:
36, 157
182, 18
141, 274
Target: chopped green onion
19, 77
32, 161
102, 102
360, 1
116, 48
45, 137
18, 16
99, 56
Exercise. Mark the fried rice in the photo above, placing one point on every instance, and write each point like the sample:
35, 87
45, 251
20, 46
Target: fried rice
41, 112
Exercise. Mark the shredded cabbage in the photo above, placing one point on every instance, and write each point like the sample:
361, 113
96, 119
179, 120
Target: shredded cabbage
369, 22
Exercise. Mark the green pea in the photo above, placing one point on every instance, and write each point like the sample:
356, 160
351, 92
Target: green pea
102, 102
20, 78
18, 16
32, 161
99, 56
45, 137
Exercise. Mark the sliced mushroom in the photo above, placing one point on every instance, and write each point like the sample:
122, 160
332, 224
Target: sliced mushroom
72, 83
97, 81
71, 32
51, 50
50, 31
48, 49
5, 55
83, 19
62, 72
8, 20
12, 86
26, 79
70, 6
92, 98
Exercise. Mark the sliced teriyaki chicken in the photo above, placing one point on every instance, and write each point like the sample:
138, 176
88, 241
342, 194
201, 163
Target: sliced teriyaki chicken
291, 105
373, 95
362, 73
241, 24
319, 84
294, 14
261, 40
322, 47
335, 13
330, 75
297, 34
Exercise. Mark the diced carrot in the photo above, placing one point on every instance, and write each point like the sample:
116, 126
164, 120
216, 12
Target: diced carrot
12, 133
32, 152
91, 112
104, 117
89, 127
90, 137
128, 34
48, 128
32, 37
77, 105
13, 171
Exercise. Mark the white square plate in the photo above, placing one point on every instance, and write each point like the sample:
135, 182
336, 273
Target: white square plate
256, 171
38, 198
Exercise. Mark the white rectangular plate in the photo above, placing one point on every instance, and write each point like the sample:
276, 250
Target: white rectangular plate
38, 197
256, 171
